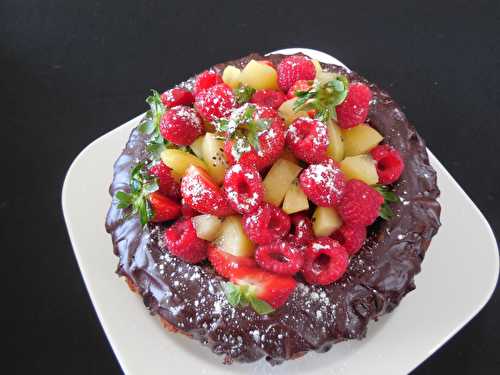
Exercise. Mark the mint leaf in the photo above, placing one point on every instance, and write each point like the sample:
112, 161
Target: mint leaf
240, 295
243, 94
386, 212
233, 293
261, 307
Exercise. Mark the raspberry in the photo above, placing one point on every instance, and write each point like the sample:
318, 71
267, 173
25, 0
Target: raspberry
271, 141
360, 204
302, 230
308, 139
323, 183
325, 261
243, 187
301, 85
177, 96
166, 183
390, 164
204, 80
181, 241
268, 98
266, 224
354, 109
294, 68
181, 125
280, 257
215, 102
351, 237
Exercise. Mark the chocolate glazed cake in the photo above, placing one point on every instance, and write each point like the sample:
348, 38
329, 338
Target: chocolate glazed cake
190, 299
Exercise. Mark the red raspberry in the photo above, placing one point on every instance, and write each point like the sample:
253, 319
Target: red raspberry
308, 139
215, 102
354, 109
390, 164
352, 237
360, 204
323, 183
206, 79
266, 224
325, 261
181, 125
177, 96
166, 183
302, 229
272, 142
280, 257
181, 241
268, 98
294, 68
301, 85
243, 187
163, 207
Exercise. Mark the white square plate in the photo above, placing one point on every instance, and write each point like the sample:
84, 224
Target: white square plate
452, 288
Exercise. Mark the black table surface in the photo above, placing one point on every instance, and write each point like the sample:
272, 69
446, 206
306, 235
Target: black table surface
73, 70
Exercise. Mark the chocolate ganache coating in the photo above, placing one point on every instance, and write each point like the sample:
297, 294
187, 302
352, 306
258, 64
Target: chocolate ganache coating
190, 298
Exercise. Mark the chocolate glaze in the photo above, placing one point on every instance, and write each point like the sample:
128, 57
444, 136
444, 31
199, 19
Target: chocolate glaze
190, 297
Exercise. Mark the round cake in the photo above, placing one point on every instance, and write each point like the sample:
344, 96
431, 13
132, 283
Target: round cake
188, 293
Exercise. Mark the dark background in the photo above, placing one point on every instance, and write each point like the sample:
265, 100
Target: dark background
73, 70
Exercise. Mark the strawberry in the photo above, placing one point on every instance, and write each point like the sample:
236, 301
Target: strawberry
268, 98
163, 207
177, 96
294, 68
202, 194
257, 285
224, 263
215, 102
181, 125
300, 85
204, 80
166, 182
354, 109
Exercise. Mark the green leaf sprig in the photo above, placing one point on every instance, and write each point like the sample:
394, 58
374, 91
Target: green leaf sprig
323, 97
243, 94
142, 184
243, 128
386, 212
150, 125
241, 295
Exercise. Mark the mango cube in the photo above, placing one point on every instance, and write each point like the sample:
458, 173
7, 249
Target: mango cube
232, 239
295, 200
360, 167
179, 160
207, 226
325, 221
213, 155
336, 144
231, 76
259, 76
278, 180
360, 139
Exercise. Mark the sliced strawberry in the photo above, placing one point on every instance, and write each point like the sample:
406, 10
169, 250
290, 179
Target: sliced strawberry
163, 207
300, 85
269, 287
177, 96
224, 263
205, 80
166, 182
202, 194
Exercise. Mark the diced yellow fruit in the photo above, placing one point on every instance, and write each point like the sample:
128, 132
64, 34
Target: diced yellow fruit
288, 155
360, 139
232, 239
278, 181
287, 112
259, 76
360, 167
213, 155
179, 160
231, 76
197, 145
295, 200
207, 226
325, 221
317, 66
336, 144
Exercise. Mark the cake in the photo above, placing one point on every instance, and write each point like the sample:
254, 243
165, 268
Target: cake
271, 206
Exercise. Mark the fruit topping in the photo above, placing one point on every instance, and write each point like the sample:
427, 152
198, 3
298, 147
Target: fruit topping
181, 125
307, 139
294, 68
323, 183
351, 237
278, 180
243, 187
232, 238
167, 184
259, 75
325, 261
360, 167
295, 199
268, 98
354, 109
225, 264
360, 139
215, 102
205, 80
325, 221
179, 161
335, 148
264, 291
288, 113
302, 230
360, 204
266, 224
389, 163
181, 241
212, 151
298, 86
163, 207
231, 76
281, 257
202, 194
207, 226
177, 96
